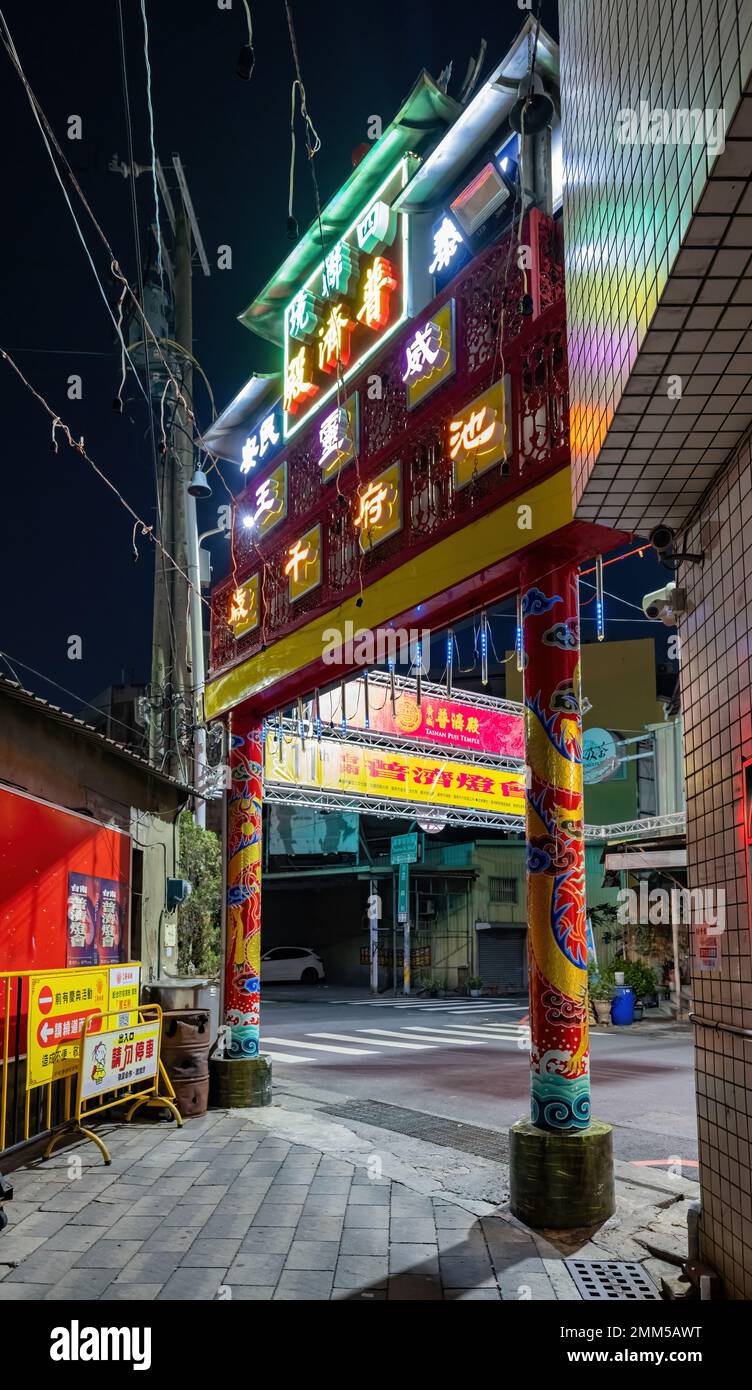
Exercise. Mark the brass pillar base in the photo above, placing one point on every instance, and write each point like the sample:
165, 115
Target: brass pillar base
240, 1082
558, 1180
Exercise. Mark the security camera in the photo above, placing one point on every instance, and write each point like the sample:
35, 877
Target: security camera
667, 604
662, 539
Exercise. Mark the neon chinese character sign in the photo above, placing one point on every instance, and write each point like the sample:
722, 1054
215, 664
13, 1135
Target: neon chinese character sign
429, 358
338, 437
446, 240
349, 305
262, 442
479, 435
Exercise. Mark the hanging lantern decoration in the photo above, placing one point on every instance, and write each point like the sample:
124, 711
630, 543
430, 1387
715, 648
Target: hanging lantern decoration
449, 659
518, 635
343, 706
365, 694
317, 715
484, 648
392, 692
600, 627
418, 672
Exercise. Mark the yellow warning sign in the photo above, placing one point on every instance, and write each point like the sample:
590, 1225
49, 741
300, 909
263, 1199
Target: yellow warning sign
58, 1004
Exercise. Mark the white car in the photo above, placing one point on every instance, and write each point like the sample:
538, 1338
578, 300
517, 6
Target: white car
289, 963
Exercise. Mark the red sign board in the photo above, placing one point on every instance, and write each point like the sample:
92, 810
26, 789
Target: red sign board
453, 723
446, 723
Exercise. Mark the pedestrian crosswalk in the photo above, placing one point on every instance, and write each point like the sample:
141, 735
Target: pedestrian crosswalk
447, 1006
323, 1046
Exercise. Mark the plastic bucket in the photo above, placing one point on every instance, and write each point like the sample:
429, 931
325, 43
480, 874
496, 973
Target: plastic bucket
622, 1005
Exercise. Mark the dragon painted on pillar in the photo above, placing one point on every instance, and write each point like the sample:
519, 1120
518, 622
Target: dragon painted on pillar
557, 944
243, 964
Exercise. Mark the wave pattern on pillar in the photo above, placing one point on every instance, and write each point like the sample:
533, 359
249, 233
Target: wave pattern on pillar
560, 1079
243, 968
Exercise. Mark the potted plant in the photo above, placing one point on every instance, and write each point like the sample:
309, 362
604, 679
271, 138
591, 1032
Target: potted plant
475, 985
601, 994
638, 977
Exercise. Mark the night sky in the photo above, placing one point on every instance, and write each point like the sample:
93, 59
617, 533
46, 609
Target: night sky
69, 566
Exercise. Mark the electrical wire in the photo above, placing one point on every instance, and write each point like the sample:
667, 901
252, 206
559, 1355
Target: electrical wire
151, 141
78, 699
11, 50
159, 474
59, 424
115, 268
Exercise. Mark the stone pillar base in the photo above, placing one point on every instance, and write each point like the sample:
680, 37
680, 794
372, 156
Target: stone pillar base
240, 1082
560, 1181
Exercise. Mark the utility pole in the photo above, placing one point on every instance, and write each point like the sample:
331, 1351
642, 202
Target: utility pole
171, 643
177, 666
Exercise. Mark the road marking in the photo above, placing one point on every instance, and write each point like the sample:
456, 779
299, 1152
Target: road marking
283, 1057
320, 1047
664, 1162
487, 1009
426, 1007
507, 1030
347, 1037
432, 1041
486, 1034
452, 1039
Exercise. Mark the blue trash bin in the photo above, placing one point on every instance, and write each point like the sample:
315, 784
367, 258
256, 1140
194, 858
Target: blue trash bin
623, 1005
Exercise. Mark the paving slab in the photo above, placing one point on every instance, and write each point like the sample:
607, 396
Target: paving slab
281, 1204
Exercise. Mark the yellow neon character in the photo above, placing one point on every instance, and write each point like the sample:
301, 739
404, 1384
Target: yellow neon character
298, 553
334, 340
296, 386
372, 505
480, 428
379, 282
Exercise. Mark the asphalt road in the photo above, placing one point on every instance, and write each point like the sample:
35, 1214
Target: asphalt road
467, 1060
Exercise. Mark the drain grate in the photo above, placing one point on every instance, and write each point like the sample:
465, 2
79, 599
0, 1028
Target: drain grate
603, 1280
471, 1139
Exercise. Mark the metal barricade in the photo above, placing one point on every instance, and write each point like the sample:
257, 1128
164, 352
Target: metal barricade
30, 1110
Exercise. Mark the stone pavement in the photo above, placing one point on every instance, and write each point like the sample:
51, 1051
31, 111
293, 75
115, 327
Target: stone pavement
288, 1203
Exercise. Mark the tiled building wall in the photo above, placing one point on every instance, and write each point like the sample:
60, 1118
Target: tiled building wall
716, 679
627, 207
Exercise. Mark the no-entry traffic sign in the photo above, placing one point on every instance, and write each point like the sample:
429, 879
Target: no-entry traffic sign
46, 999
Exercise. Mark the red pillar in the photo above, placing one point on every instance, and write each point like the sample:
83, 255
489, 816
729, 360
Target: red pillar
243, 962
557, 947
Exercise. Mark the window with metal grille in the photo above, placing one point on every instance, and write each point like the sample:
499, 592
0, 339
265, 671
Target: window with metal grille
503, 890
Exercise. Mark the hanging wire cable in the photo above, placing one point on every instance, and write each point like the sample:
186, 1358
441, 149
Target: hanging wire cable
151, 141
159, 481
11, 50
50, 138
59, 424
246, 58
78, 700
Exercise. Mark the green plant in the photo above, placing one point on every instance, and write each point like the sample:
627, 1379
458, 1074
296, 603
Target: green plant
639, 977
199, 860
475, 982
601, 989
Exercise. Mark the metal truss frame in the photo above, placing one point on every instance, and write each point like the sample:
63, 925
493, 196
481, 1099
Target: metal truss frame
374, 738
316, 799
429, 689
674, 823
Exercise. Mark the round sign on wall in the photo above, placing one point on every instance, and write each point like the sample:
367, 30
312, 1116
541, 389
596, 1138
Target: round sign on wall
600, 755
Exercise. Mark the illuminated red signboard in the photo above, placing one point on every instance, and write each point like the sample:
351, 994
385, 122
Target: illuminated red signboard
449, 723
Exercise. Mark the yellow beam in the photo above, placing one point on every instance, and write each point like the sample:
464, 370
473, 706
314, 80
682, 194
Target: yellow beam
466, 552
